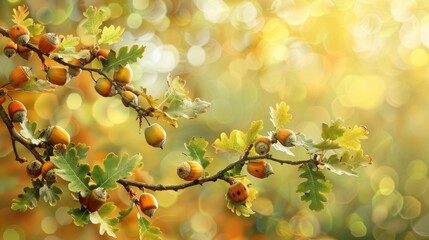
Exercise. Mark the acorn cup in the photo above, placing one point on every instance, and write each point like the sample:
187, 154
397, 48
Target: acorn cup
130, 96
57, 75
102, 54
124, 75
105, 88
48, 171
19, 34
148, 204
57, 135
260, 169
155, 135
75, 71
34, 169
19, 76
48, 42
96, 199
238, 192
286, 137
262, 145
17, 111
10, 49
190, 170
24, 52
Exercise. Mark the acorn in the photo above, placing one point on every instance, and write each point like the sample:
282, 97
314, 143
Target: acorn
34, 168
130, 96
190, 170
286, 137
102, 54
57, 75
124, 75
238, 192
96, 199
260, 169
19, 75
57, 135
48, 42
75, 71
48, 171
19, 34
25, 52
262, 145
17, 111
105, 88
148, 204
10, 49
155, 135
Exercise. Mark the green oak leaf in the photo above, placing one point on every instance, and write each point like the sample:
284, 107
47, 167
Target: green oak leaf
197, 150
333, 131
29, 199
70, 170
238, 141
51, 194
351, 137
80, 216
29, 131
69, 42
107, 225
146, 230
37, 85
124, 213
69, 54
314, 186
280, 115
114, 169
111, 35
94, 19
123, 57
335, 165
327, 145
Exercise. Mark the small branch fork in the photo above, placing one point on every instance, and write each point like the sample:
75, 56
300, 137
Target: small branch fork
142, 112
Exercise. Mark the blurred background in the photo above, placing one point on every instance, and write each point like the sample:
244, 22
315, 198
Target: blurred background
363, 61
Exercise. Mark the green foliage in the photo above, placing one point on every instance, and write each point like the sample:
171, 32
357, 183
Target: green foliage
280, 115
314, 186
180, 105
50, 193
111, 35
29, 131
351, 137
146, 230
93, 21
70, 169
333, 131
69, 42
123, 57
107, 225
124, 213
114, 169
19, 16
348, 163
197, 151
69, 54
29, 199
80, 216
37, 85
238, 141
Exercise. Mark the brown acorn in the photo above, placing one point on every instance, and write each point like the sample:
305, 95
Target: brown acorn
262, 145
102, 54
260, 169
286, 137
238, 192
34, 169
19, 34
57, 75
25, 52
19, 75
155, 135
48, 171
96, 199
48, 42
148, 204
17, 111
124, 75
130, 96
10, 49
75, 71
190, 170
104, 87
57, 135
